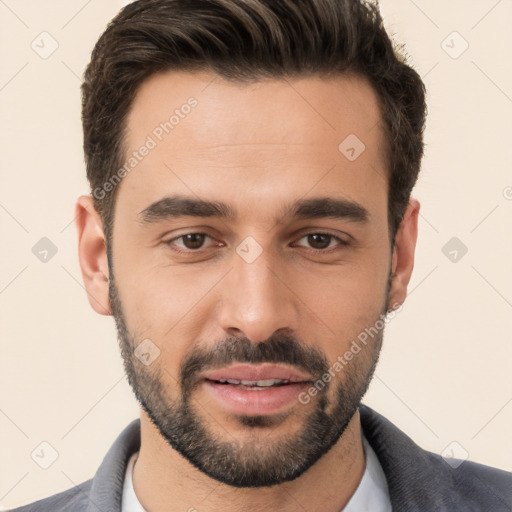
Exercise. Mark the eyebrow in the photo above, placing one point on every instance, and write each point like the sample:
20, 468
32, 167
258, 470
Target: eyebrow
320, 207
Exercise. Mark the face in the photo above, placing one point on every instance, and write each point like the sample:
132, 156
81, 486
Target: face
247, 246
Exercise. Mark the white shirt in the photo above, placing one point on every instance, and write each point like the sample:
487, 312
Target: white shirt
371, 495
130, 503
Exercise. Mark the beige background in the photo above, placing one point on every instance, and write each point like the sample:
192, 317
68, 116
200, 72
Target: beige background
445, 371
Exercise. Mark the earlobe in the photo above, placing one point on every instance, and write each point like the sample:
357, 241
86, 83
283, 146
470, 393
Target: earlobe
92, 253
403, 254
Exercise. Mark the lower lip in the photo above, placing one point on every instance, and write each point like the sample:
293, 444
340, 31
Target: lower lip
255, 402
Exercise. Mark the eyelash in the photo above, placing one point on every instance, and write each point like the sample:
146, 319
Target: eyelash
341, 243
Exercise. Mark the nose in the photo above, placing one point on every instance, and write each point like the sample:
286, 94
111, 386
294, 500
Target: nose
258, 299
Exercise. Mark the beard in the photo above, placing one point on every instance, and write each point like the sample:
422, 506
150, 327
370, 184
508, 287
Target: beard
258, 461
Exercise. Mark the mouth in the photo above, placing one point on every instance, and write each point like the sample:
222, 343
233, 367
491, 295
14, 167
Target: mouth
264, 375
256, 390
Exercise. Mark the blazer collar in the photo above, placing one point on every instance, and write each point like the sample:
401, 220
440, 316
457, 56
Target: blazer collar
417, 479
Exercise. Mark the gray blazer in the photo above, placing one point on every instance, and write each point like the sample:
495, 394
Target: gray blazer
419, 481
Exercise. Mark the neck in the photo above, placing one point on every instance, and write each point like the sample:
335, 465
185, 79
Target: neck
162, 476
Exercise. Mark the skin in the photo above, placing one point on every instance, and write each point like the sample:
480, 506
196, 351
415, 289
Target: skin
258, 148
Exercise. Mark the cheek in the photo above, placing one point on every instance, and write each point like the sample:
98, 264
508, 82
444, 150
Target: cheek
155, 295
356, 339
166, 307
344, 300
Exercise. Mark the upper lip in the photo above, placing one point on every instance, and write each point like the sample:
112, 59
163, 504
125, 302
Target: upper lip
254, 373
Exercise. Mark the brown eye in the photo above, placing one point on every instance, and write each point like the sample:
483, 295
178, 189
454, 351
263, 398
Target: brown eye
193, 240
319, 240
322, 241
188, 243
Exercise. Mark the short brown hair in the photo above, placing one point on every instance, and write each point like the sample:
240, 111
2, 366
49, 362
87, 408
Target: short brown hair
246, 40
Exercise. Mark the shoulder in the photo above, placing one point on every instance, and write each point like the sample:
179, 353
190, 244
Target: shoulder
480, 483
104, 491
74, 499
420, 480
470, 484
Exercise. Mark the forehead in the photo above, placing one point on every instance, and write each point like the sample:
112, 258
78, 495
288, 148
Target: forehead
211, 137
282, 110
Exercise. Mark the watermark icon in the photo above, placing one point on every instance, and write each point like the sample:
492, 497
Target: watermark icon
157, 135
455, 454
44, 45
146, 352
507, 193
44, 455
44, 250
454, 45
351, 147
249, 250
354, 349
454, 249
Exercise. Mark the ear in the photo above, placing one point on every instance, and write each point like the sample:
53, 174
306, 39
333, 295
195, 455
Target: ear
403, 254
92, 253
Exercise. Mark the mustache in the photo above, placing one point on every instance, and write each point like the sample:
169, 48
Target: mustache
279, 349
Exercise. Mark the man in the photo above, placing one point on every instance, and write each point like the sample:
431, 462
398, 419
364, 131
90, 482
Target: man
251, 230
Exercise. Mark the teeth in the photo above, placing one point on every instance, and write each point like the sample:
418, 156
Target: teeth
254, 383
263, 383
